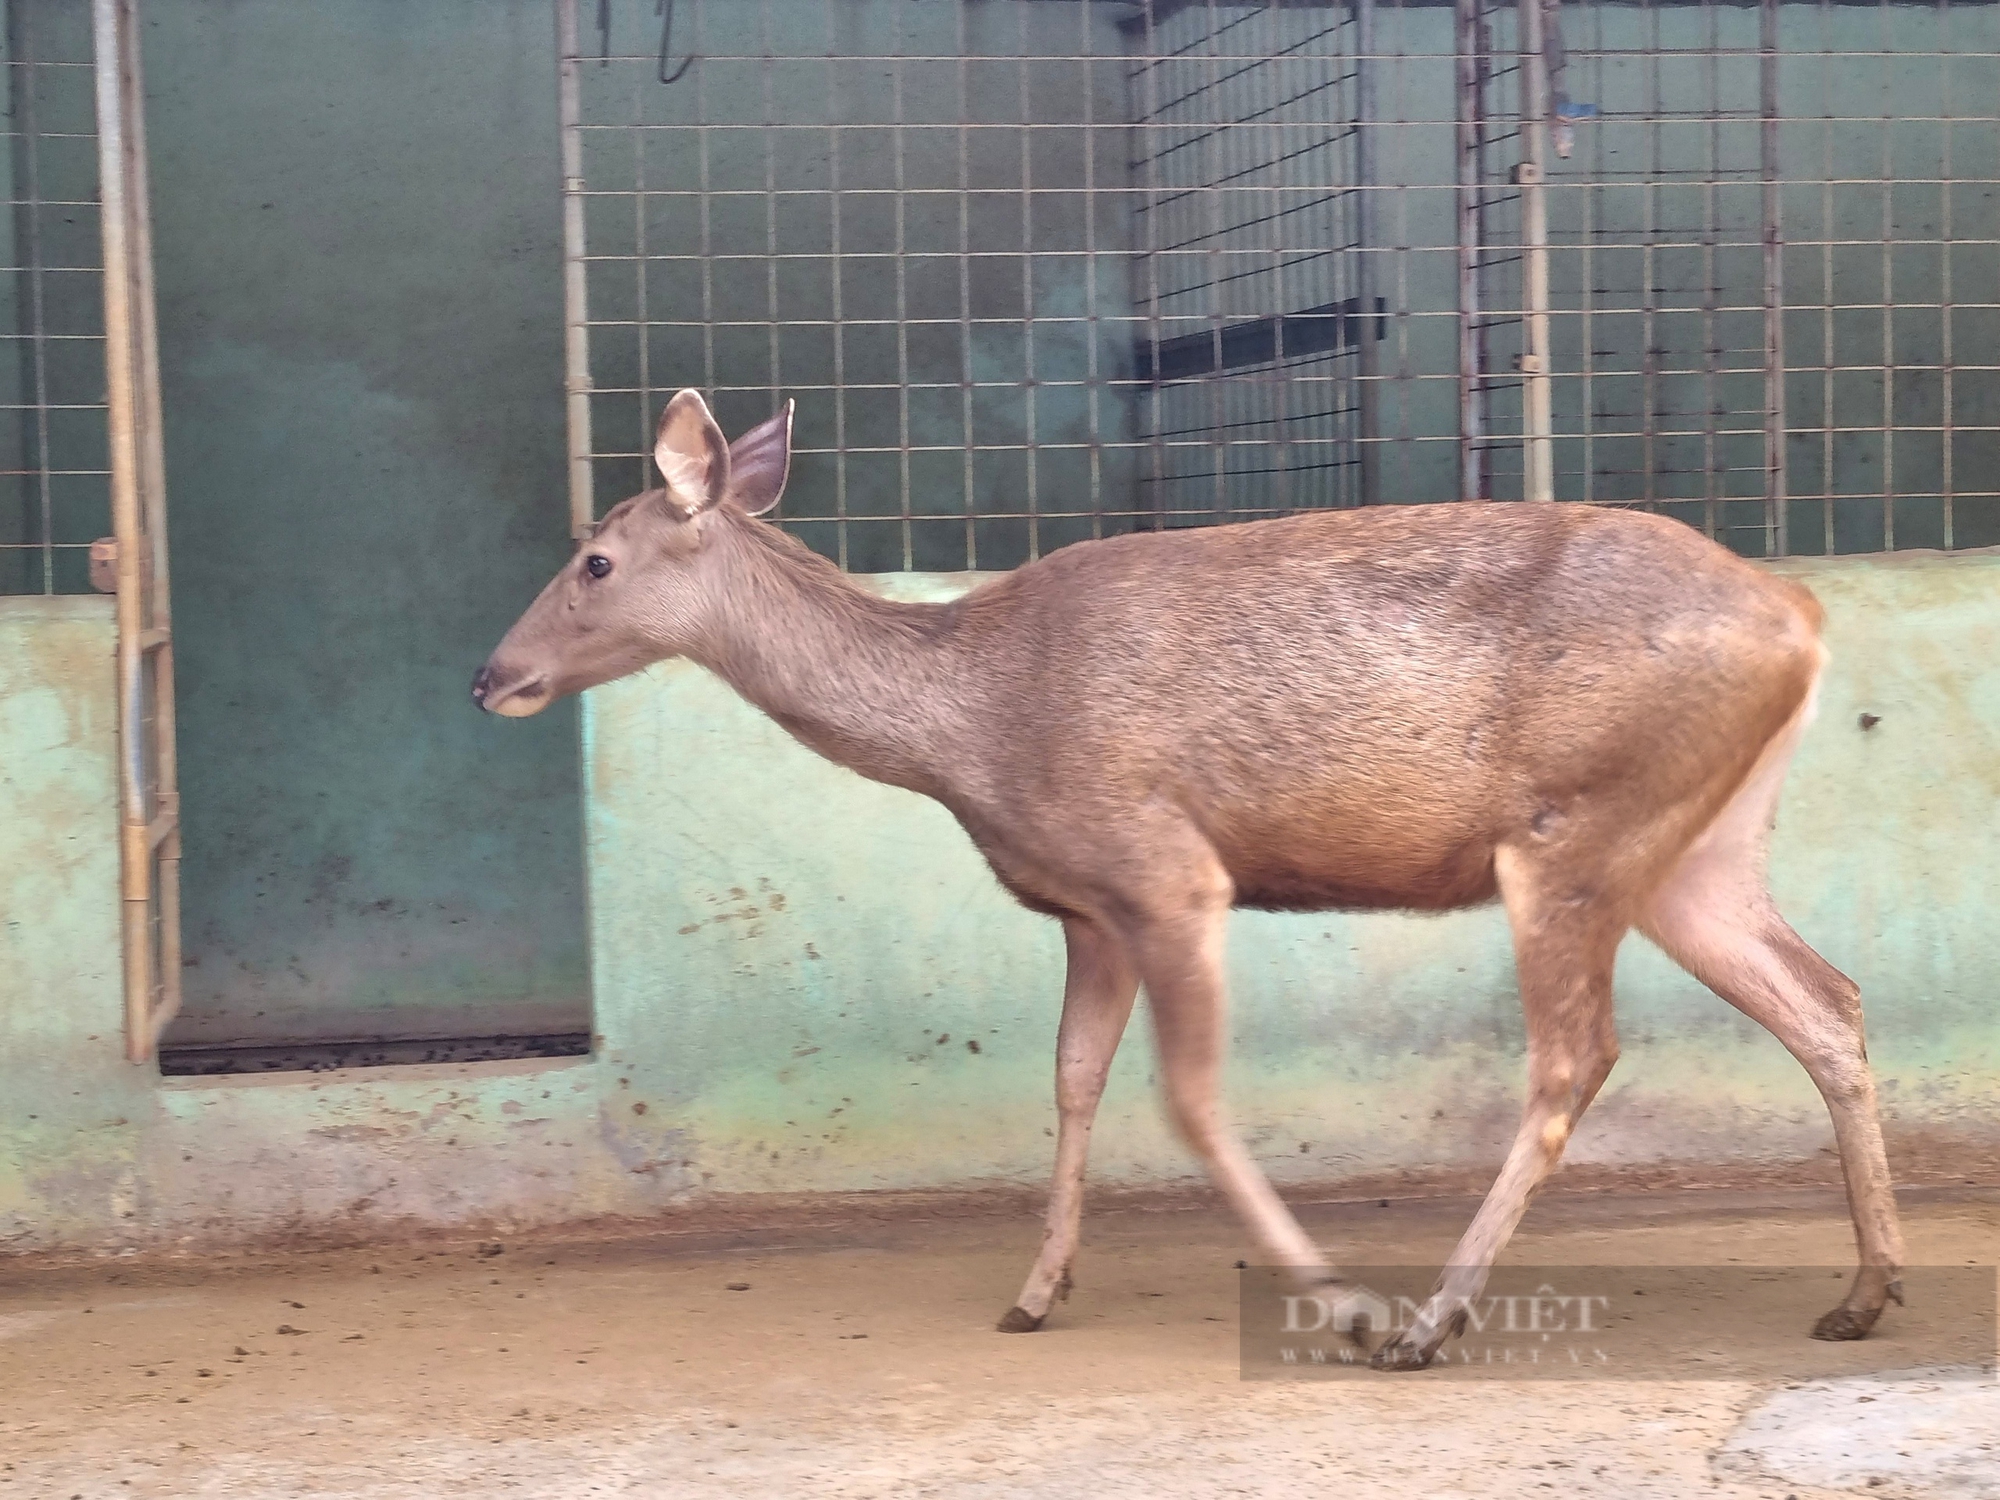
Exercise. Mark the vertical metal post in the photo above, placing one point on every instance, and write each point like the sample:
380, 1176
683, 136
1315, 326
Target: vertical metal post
1538, 445
576, 282
1714, 483
135, 861
1367, 346
1471, 351
1146, 109
1777, 532
158, 641
1946, 358
1031, 437
149, 827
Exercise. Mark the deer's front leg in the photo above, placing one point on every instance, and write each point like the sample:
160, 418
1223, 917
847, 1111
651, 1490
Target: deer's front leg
1179, 946
1097, 1002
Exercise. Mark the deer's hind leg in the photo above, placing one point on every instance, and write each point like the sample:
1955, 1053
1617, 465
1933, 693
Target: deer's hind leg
1714, 917
1097, 1002
1566, 934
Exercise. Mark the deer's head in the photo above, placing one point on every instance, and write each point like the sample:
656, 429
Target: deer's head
638, 590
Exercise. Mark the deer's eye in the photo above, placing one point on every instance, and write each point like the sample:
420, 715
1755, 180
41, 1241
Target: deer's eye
597, 565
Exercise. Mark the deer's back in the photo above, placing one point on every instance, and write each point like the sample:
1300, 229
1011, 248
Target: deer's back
1356, 707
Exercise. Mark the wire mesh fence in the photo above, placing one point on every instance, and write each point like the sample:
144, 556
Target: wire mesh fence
1044, 269
54, 463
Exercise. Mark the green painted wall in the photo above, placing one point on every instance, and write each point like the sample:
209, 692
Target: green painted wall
792, 962
359, 291
68, 1105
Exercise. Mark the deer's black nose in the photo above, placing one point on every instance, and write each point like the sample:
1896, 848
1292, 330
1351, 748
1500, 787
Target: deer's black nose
482, 681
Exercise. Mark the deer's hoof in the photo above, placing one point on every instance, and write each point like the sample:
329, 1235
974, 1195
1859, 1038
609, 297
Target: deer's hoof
1399, 1354
1845, 1324
1018, 1320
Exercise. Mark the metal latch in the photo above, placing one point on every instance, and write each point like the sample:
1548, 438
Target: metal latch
104, 565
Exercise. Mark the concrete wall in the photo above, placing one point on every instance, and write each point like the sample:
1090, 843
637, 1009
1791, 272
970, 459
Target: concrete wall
360, 323
68, 1109
792, 964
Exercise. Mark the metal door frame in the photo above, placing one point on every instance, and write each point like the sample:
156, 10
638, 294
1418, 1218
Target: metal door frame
148, 790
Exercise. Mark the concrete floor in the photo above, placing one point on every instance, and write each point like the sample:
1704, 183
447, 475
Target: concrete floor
858, 1360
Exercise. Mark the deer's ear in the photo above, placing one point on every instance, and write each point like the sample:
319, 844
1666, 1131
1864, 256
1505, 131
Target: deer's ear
691, 453
759, 461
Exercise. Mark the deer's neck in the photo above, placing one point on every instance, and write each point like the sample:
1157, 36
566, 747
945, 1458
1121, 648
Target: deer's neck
869, 683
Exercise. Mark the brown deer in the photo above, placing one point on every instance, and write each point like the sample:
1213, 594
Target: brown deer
1584, 713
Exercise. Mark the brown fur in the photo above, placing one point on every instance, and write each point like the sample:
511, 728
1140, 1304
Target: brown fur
1413, 708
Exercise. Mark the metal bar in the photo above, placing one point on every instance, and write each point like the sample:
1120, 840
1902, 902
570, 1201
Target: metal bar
1829, 538
156, 641
641, 311
1649, 296
1399, 303
1272, 263
1887, 354
1945, 351
1368, 371
705, 206
1149, 267
905, 525
1482, 225
1777, 520
774, 341
1033, 469
576, 281
1208, 168
1587, 294
1471, 387
1092, 328
128, 525
835, 303
969, 473
1711, 507
1537, 444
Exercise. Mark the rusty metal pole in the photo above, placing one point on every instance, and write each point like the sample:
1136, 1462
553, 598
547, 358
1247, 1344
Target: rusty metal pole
576, 280
128, 528
1537, 435
1777, 529
1369, 403
158, 641
1471, 225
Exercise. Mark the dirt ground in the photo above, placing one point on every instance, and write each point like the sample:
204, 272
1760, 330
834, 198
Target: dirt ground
859, 1360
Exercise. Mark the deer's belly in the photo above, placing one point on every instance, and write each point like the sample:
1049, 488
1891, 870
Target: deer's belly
1446, 887
1361, 863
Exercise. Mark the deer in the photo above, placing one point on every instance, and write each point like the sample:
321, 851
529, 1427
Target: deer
1582, 713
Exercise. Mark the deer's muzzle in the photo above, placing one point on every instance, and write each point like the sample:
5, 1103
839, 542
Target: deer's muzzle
515, 700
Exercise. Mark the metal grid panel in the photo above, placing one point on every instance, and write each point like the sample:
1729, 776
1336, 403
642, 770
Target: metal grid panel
914, 218
1043, 269
1253, 192
54, 468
